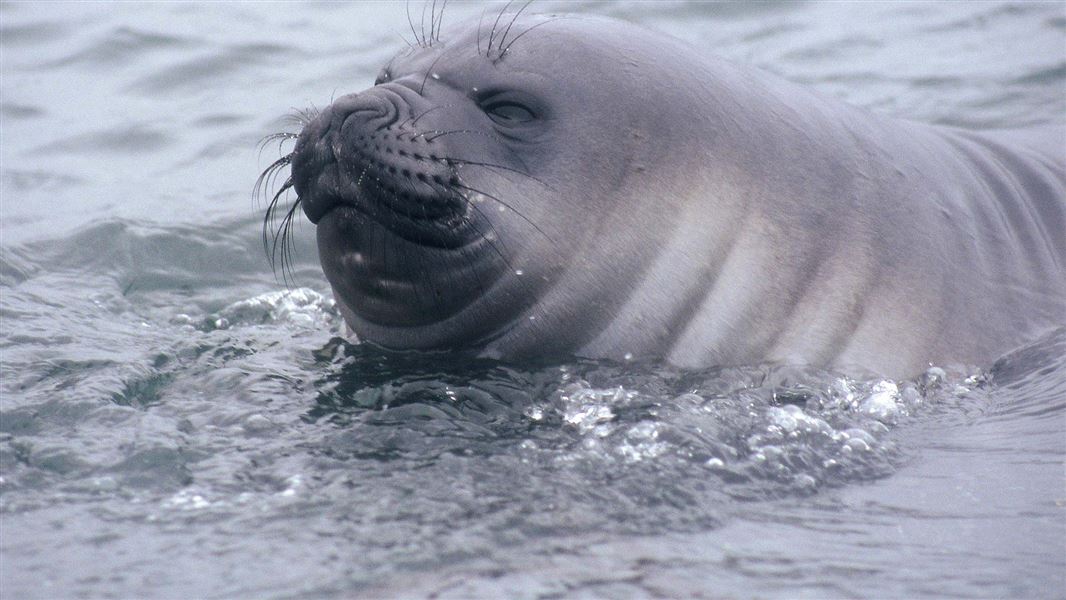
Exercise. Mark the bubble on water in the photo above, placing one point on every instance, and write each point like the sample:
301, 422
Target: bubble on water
257, 423
301, 307
186, 500
642, 441
292, 484
882, 402
791, 418
933, 377
855, 445
588, 416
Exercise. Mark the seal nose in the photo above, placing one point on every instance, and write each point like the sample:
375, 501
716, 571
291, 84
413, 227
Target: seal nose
358, 148
315, 175
369, 107
316, 147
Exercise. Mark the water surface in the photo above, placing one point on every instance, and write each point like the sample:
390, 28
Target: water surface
176, 422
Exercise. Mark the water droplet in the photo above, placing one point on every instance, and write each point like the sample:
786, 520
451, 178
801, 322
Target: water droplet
474, 89
519, 272
501, 208
532, 317
435, 76
628, 356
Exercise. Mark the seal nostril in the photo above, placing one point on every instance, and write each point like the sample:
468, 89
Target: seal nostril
392, 170
437, 179
406, 173
421, 177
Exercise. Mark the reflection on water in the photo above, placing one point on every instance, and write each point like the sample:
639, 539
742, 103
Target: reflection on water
175, 421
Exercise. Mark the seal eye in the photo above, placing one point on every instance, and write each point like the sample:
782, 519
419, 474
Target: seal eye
383, 76
509, 113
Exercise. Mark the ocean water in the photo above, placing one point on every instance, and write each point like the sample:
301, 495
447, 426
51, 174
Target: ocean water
177, 421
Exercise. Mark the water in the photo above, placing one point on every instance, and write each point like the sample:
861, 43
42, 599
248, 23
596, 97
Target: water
177, 422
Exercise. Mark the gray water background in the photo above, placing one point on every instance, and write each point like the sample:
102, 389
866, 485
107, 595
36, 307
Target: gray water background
176, 422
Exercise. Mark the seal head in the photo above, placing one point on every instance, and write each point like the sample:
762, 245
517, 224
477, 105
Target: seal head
450, 195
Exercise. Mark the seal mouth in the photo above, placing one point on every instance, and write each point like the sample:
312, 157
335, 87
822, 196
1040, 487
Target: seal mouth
429, 220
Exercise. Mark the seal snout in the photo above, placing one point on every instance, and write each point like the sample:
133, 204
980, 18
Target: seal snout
364, 151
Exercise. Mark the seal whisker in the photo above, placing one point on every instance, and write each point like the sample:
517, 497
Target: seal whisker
435, 34
276, 171
438, 133
425, 4
511, 208
496, 241
492, 34
424, 113
503, 38
411, 23
492, 244
429, 136
493, 166
422, 88
281, 234
271, 215
432, 22
479, 22
266, 178
301, 116
440, 20
530, 28
288, 247
281, 135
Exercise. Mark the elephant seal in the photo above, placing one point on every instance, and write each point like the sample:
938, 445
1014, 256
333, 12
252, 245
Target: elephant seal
573, 185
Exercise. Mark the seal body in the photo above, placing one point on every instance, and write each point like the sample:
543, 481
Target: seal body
582, 186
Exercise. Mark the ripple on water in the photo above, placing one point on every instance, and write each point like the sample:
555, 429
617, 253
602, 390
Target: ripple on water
119, 47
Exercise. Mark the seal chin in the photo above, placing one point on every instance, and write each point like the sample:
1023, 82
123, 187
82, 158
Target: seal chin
385, 279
